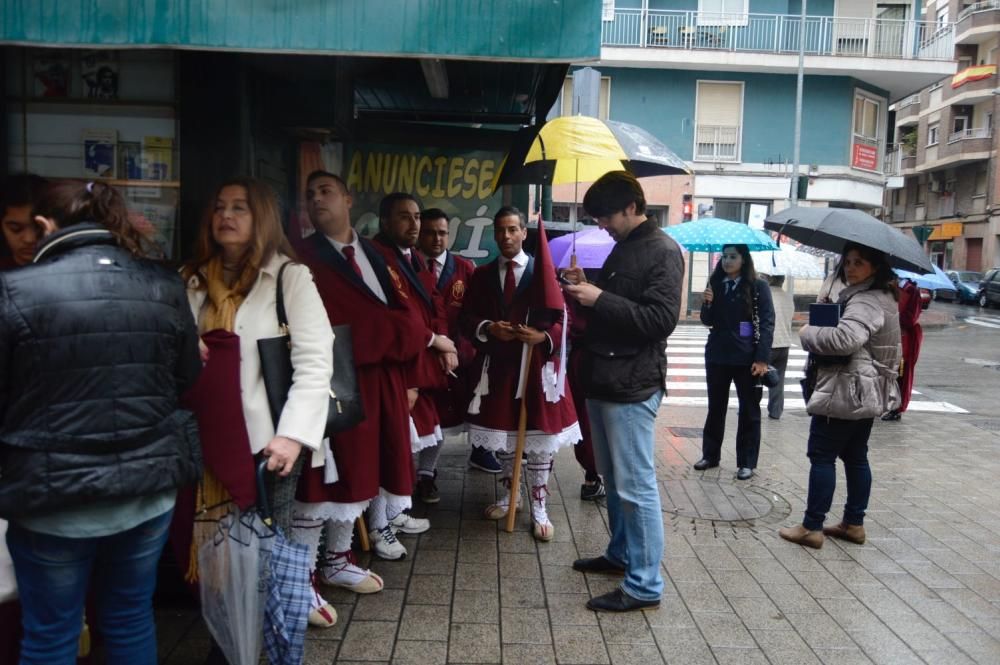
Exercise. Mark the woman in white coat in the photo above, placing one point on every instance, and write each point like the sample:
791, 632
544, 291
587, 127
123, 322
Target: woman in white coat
232, 287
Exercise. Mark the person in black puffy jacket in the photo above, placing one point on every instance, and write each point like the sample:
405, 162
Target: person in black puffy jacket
96, 343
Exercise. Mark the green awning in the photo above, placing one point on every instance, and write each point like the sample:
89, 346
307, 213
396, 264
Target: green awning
539, 30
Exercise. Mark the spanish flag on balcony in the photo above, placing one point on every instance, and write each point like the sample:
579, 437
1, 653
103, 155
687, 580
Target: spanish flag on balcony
973, 74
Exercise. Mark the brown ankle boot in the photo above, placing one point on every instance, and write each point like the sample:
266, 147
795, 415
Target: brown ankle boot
854, 533
802, 536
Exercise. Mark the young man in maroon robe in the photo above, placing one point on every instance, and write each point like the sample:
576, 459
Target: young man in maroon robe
373, 460
499, 318
451, 275
399, 224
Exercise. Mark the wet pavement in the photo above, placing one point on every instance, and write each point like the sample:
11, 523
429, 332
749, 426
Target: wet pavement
924, 588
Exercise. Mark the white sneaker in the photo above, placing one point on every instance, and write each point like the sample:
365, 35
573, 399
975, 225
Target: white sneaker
408, 524
341, 571
384, 542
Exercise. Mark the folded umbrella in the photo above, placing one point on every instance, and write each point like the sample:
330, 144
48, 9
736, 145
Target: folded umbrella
832, 228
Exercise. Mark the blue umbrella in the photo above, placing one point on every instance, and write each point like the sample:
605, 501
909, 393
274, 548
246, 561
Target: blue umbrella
710, 234
932, 281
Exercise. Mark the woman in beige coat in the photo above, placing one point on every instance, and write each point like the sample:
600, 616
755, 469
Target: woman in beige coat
849, 393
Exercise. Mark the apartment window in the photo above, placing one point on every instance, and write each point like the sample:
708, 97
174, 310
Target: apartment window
960, 123
866, 143
921, 193
932, 135
718, 123
603, 102
942, 16
608, 10
723, 12
981, 181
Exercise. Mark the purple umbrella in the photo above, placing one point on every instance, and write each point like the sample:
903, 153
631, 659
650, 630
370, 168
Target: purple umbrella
592, 247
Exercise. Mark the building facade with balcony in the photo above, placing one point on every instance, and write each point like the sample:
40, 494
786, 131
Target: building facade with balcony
942, 163
716, 81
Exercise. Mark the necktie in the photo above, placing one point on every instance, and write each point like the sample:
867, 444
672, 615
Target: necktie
349, 255
730, 285
415, 262
432, 266
509, 285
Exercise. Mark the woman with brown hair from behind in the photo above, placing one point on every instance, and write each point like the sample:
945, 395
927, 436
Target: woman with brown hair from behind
99, 342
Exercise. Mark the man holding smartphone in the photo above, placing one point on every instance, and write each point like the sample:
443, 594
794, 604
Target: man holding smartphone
630, 311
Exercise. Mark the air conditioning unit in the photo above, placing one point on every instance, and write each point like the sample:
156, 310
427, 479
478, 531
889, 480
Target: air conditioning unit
935, 185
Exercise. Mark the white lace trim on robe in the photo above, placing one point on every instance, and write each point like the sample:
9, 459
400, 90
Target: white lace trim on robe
535, 441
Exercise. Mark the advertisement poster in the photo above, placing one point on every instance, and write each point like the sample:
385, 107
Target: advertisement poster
458, 181
865, 157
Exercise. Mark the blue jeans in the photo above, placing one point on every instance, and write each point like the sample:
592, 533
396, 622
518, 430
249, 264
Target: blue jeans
52, 575
830, 438
624, 450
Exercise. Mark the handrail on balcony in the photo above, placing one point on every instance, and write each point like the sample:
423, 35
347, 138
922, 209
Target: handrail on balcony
908, 101
985, 6
779, 33
972, 133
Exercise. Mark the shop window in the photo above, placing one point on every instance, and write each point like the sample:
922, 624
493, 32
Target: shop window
100, 115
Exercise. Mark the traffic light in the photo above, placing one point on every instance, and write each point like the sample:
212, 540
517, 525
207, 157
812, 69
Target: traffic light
687, 208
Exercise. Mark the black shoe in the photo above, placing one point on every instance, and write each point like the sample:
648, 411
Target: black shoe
597, 565
703, 464
744, 473
891, 415
619, 601
484, 460
593, 491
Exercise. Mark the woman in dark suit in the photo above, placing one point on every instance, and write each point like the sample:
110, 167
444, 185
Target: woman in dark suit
737, 306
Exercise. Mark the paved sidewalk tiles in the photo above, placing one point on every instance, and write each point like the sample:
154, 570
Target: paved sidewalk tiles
924, 588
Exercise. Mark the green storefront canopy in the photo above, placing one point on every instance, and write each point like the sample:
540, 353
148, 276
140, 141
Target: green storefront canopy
537, 30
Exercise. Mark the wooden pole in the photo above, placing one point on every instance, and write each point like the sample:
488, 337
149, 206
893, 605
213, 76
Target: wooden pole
522, 428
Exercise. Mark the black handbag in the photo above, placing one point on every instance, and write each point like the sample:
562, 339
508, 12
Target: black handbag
346, 409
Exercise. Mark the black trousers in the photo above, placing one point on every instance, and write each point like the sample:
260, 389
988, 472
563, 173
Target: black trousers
719, 378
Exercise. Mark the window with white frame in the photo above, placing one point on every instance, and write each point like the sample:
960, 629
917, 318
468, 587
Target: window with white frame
932, 134
723, 12
942, 16
608, 10
603, 102
719, 120
866, 118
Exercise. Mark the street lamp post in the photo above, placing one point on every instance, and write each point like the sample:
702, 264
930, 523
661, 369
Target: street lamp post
798, 107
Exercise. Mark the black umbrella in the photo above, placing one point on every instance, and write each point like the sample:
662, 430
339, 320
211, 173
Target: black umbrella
832, 228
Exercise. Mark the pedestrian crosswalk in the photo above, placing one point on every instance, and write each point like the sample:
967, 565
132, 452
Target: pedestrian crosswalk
686, 375
984, 320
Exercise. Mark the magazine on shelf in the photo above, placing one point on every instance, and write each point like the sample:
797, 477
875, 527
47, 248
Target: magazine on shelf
157, 157
99, 152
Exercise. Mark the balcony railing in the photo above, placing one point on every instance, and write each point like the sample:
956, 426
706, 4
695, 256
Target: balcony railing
909, 101
978, 7
965, 134
778, 33
717, 143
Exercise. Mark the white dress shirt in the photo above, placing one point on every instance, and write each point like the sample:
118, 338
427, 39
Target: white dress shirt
367, 271
520, 263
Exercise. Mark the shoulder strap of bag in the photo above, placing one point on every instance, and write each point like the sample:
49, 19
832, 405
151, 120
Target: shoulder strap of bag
756, 313
279, 299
